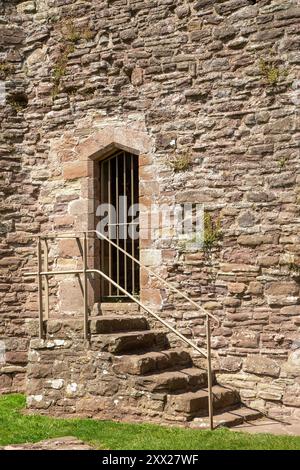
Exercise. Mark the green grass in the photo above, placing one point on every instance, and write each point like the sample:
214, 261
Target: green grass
16, 428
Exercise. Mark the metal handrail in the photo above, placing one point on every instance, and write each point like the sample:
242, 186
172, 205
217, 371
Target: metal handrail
44, 272
153, 273
134, 299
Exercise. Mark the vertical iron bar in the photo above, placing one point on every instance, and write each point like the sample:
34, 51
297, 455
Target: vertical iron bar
209, 375
125, 227
102, 252
85, 288
109, 228
101, 201
46, 269
117, 221
132, 230
40, 289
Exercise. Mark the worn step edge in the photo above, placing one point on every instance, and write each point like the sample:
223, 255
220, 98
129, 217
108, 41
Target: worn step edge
184, 379
153, 361
227, 418
136, 340
193, 403
106, 308
110, 324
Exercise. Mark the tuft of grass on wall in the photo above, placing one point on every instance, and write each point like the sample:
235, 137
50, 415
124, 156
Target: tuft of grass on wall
212, 231
180, 162
6, 70
272, 72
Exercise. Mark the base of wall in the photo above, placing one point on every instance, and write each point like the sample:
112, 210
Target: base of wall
12, 379
70, 377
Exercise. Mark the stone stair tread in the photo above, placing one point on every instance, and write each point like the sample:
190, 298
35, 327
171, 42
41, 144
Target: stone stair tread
117, 323
193, 402
135, 340
227, 418
153, 361
183, 379
124, 334
117, 308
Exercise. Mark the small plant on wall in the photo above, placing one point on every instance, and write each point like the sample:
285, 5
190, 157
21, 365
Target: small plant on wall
272, 72
70, 35
294, 270
6, 70
60, 68
180, 162
212, 232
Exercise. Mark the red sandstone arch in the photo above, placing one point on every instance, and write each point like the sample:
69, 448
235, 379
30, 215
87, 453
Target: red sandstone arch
109, 139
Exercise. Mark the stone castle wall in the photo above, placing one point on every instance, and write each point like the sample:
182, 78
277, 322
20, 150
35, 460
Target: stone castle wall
214, 80
18, 210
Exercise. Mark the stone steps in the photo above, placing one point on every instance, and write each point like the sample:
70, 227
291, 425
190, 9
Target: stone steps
112, 324
196, 403
135, 372
120, 308
165, 377
184, 379
227, 419
133, 341
154, 361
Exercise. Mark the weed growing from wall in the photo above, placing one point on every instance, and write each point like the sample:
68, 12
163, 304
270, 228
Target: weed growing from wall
70, 35
6, 70
180, 162
271, 72
212, 232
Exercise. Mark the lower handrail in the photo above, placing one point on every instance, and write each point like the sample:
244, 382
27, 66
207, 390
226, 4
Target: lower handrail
148, 310
134, 299
153, 273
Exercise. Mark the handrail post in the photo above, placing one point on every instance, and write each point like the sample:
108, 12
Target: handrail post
46, 269
85, 289
40, 288
209, 375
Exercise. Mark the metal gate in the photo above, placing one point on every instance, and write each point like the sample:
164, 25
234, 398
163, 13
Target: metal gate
119, 197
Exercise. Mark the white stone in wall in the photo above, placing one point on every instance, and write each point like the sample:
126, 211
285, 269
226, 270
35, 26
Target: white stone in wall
151, 257
57, 384
26, 7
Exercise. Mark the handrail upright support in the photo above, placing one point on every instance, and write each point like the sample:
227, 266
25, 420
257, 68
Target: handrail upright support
46, 269
40, 288
85, 288
209, 375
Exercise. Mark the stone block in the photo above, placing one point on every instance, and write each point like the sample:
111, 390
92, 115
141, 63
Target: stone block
245, 338
5, 382
74, 170
151, 257
282, 288
69, 248
70, 296
137, 76
236, 288
293, 310
261, 365
230, 364
291, 396
269, 391
93, 404
27, 7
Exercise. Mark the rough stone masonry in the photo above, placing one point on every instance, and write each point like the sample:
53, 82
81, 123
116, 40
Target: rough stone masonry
212, 82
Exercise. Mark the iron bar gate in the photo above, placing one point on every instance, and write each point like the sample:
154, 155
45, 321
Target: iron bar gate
119, 195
